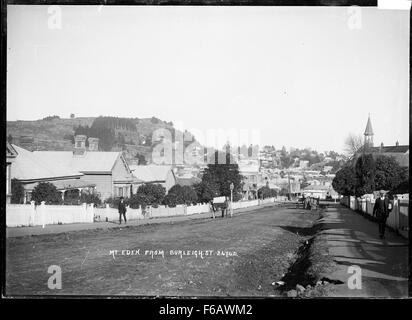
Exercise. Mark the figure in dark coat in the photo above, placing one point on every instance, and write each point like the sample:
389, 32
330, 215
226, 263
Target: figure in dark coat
381, 211
122, 210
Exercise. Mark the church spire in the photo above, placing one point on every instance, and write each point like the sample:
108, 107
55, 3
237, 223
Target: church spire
368, 133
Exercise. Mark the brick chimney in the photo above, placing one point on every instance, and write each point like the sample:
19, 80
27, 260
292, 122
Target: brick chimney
79, 145
93, 144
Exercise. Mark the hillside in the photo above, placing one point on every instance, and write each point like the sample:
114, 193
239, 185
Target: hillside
131, 135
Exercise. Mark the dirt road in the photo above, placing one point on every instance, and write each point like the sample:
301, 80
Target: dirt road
239, 256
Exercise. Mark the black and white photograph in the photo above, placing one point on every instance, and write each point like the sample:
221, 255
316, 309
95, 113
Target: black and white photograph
207, 151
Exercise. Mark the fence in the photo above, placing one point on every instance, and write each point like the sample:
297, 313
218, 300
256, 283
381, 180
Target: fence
112, 214
267, 200
398, 218
32, 215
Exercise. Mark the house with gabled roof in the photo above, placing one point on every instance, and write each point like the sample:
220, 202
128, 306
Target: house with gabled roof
30, 170
159, 174
108, 171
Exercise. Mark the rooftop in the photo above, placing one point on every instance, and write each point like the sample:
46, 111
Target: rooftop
151, 173
29, 166
91, 161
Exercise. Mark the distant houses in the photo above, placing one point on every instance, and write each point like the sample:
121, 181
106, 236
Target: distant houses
320, 191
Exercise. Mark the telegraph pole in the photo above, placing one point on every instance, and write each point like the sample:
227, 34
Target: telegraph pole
289, 184
231, 198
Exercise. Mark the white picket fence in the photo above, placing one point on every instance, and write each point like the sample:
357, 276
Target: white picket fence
31, 215
398, 218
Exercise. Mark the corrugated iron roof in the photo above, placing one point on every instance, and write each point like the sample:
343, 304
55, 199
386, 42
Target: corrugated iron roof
151, 173
91, 161
28, 166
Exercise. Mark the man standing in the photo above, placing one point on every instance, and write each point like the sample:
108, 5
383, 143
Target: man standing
381, 211
122, 210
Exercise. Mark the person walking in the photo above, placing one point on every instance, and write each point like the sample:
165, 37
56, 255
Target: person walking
381, 211
122, 211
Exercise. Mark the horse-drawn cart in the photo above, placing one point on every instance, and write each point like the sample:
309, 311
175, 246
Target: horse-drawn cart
220, 203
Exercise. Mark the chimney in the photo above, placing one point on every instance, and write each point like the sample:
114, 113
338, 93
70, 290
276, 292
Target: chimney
381, 148
79, 145
93, 144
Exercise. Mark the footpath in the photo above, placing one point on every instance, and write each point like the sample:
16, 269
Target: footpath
55, 228
353, 240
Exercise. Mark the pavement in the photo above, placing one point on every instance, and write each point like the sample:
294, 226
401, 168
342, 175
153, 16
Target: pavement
353, 240
55, 229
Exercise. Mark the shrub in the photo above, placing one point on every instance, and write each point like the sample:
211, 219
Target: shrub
139, 200
113, 201
180, 195
90, 197
47, 192
154, 193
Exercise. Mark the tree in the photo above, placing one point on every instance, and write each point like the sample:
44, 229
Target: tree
284, 192
388, 173
72, 197
139, 200
180, 195
353, 144
365, 175
154, 193
17, 191
223, 174
50, 118
266, 192
46, 191
402, 188
345, 181
154, 120
206, 190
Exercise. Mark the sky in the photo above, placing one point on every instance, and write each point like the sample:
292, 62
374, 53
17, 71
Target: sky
293, 76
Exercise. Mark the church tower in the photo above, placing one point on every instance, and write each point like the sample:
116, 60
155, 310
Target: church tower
368, 142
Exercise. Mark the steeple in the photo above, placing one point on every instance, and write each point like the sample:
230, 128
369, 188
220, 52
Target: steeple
368, 133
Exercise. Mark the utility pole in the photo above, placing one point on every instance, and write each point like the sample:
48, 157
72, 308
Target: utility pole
231, 198
289, 184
